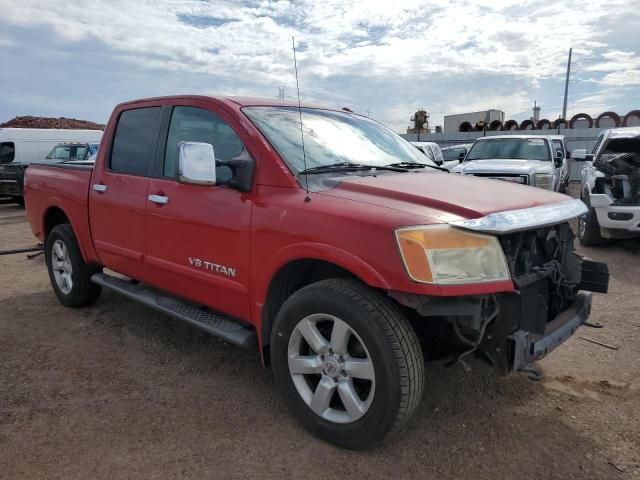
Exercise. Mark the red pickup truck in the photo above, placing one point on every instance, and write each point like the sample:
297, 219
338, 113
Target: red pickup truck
323, 238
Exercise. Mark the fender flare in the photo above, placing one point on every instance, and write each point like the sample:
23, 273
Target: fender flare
56, 202
317, 251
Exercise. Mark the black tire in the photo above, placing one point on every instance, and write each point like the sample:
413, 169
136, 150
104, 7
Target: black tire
391, 344
563, 186
588, 227
83, 291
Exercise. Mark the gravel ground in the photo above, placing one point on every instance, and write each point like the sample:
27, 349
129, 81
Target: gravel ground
118, 391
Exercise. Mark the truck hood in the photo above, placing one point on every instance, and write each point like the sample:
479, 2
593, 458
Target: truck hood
513, 166
441, 197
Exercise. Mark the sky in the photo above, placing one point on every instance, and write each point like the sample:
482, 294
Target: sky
385, 59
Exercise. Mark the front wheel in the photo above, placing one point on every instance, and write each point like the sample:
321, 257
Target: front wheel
589, 228
70, 276
347, 362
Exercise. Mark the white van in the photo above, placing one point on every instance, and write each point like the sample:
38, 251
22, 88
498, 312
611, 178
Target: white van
26, 145
21, 146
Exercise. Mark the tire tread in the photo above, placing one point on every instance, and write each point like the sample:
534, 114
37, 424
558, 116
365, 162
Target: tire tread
84, 291
401, 336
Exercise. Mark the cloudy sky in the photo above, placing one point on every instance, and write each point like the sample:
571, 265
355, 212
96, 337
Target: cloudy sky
80, 58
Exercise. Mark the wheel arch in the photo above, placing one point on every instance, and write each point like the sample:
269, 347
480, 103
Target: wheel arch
296, 270
55, 214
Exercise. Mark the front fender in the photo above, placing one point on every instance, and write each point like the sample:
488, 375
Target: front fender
316, 251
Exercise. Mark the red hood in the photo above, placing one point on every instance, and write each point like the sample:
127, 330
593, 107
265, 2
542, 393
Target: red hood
442, 197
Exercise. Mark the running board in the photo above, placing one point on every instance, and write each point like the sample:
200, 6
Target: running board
215, 324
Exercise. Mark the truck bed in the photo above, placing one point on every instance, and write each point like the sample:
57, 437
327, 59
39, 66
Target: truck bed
69, 188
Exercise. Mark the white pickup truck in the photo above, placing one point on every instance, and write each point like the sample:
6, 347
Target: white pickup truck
611, 186
524, 159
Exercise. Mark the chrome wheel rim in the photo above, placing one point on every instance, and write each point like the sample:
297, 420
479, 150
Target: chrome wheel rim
61, 266
331, 368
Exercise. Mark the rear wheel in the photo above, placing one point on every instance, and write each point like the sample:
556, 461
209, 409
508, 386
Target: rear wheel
347, 361
70, 276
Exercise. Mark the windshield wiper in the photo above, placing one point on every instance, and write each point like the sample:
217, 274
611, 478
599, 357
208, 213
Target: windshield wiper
416, 165
349, 167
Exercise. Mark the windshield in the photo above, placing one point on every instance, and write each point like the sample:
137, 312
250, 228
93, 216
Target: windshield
509, 148
330, 138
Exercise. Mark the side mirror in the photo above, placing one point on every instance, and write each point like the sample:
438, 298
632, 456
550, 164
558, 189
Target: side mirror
581, 154
460, 157
558, 159
568, 155
196, 163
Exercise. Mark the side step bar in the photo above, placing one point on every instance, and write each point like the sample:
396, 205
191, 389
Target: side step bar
215, 324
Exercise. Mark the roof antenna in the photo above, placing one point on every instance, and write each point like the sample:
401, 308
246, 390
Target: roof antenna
304, 155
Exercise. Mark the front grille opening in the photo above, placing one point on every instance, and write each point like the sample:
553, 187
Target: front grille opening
544, 255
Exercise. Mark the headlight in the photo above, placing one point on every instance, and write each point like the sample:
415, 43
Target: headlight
445, 255
544, 181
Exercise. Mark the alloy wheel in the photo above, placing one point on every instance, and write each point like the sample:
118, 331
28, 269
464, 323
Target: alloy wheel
61, 266
331, 368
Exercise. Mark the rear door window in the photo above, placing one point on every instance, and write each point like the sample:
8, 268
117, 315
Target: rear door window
7, 152
133, 141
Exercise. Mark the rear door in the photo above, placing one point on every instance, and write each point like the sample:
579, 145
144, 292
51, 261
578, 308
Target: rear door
199, 236
118, 194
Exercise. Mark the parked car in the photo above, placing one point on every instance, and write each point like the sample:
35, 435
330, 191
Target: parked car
523, 159
21, 146
610, 186
72, 151
455, 152
433, 153
345, 269
559, 143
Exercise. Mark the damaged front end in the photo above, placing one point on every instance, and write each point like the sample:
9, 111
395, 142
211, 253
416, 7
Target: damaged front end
552, 297
511, 330
615, 194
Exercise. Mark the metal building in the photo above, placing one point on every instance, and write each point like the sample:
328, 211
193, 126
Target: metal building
452, 122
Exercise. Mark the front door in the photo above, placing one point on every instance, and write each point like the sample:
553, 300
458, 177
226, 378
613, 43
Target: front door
118, 193
198, 237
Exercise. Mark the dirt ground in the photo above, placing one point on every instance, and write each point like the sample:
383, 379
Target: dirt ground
118, 391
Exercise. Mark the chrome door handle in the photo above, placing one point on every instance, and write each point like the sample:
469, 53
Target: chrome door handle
159, 199
99, 187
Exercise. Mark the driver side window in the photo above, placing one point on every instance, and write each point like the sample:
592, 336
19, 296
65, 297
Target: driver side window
193, 124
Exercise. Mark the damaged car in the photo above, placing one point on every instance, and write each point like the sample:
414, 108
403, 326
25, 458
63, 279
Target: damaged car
611, 187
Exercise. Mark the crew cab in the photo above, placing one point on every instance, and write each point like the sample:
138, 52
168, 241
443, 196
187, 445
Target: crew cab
523, 159
610, 186
344, 255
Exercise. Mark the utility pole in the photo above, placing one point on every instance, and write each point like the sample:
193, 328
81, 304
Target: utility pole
566, 87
